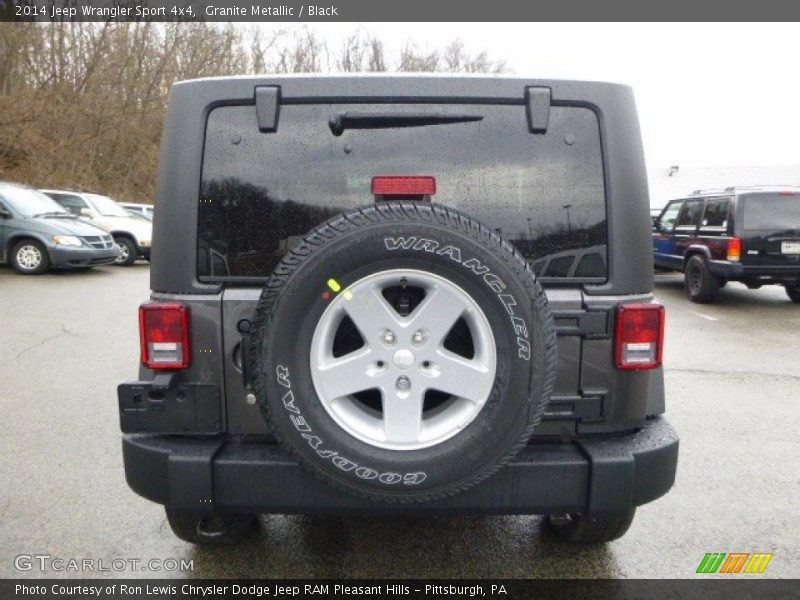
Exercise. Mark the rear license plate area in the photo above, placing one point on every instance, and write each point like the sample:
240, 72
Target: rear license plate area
145, 407
792, 248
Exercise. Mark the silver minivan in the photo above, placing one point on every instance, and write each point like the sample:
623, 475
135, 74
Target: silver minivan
131, 234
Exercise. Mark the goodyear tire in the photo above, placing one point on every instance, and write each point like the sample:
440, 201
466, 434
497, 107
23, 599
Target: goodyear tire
403, 352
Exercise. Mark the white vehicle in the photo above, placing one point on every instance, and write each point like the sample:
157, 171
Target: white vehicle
132, 234
145, 210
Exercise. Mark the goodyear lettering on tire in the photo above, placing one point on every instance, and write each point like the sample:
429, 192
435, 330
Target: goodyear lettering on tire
318, 445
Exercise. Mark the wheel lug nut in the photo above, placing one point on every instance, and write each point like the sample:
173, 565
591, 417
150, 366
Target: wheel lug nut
418, 337
389, 338
403, 383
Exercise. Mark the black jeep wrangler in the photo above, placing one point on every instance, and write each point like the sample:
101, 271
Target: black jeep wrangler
745, 234
345, 317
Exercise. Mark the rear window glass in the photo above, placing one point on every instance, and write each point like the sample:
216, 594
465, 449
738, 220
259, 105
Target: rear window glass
771, 211
261, 192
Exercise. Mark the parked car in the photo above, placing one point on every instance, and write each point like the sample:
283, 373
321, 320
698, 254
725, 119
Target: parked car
131, 234
37, 234
745, 234
346, 329
145, 210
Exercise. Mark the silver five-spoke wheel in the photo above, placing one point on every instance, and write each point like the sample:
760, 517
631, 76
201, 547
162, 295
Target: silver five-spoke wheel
403, 359
124, 254
29, 257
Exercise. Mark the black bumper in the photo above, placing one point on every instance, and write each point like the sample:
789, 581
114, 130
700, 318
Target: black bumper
201, 475
764, 273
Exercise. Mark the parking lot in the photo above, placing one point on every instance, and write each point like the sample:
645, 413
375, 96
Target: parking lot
68, 339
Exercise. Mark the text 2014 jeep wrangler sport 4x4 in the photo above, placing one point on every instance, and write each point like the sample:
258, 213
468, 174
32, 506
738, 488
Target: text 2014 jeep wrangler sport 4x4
345, 318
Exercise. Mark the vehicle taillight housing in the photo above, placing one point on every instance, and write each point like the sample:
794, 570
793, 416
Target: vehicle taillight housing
403, 185
639, 336
164, 335
734, 248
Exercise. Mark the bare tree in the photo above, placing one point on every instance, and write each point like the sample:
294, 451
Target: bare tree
413, 60
377, 59
457, 60
361, 52
302, 52
82, 104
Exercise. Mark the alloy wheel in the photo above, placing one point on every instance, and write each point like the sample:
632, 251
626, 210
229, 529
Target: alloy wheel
403, 359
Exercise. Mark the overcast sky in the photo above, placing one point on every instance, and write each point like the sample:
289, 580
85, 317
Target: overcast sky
708, 94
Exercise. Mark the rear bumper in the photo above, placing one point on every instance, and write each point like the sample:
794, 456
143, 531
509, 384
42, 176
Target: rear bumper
64, 257
765, 273
201, 475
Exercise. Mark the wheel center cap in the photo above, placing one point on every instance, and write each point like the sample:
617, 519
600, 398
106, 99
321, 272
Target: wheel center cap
403, 359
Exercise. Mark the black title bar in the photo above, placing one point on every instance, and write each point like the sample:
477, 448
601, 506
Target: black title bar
287, 11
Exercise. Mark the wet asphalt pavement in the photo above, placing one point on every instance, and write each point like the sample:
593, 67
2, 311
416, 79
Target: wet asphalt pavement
67, 340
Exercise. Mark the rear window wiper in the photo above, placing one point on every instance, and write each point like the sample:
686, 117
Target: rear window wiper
355, 120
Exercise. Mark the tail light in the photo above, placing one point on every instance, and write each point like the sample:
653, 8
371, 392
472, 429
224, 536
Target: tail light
403, 185
164, 334
639, 336
734, 248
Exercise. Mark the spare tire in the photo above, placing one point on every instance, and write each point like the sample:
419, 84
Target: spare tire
403, 352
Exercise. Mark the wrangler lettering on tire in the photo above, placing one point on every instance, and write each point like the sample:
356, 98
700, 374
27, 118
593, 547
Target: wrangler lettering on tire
492, 280
403, 352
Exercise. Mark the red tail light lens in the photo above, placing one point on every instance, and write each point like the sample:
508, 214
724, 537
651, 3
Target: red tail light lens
639, 336
164, 334
734, 248
403, 185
